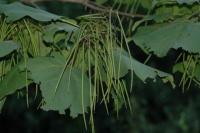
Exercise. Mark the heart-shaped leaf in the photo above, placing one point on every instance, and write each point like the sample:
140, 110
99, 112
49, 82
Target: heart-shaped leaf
71, 90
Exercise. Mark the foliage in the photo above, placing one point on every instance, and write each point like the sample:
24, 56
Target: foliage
161, 38
16, 11
7, 47
79, 63
71, 92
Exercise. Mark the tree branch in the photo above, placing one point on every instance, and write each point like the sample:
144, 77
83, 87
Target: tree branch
90, 5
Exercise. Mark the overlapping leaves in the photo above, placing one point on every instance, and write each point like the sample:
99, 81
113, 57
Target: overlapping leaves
65, 87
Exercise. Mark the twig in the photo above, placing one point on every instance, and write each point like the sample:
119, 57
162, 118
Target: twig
106, 10
92, 6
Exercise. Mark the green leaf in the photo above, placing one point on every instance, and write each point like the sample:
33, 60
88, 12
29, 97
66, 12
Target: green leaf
2, 103
3, 1
6, 47
14, 80
146, 3
101, 1
66, 94
161, 38
187, 1
3, 69
192, 69
52, 29
123, 63
16, 11
167, 2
